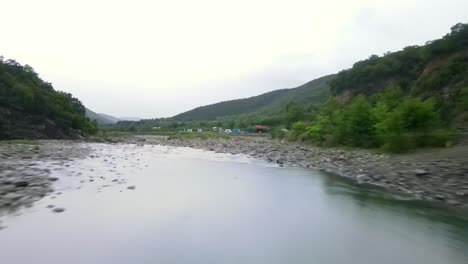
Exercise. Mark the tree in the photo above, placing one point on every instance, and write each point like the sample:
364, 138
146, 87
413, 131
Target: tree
294, 113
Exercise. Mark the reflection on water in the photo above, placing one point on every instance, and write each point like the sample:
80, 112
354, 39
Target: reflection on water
191, 206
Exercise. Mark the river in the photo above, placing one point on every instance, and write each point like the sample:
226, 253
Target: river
193, 206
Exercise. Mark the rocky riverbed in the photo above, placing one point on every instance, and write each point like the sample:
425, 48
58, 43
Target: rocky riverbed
25, 167
23, 179
440, 176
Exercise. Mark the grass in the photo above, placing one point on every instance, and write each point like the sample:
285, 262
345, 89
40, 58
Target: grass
204, 135
20, 142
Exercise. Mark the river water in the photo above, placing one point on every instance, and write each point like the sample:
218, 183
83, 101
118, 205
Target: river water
192, 206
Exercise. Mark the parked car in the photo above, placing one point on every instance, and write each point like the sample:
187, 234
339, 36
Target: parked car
228, 131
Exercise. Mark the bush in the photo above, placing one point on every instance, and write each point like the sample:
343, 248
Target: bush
315, 133
279, 133
385, 120
442, 138
297, 130
397, 142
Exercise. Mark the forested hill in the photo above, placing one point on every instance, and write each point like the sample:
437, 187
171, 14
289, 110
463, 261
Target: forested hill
313, 92
31, 108
438, 69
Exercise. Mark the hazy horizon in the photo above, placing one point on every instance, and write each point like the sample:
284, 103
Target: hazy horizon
154, 59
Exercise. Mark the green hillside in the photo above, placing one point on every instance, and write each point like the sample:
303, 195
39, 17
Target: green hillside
414, 98
31, 108
438, 69
271, 103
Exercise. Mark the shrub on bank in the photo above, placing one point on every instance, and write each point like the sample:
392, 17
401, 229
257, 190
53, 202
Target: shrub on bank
387, 120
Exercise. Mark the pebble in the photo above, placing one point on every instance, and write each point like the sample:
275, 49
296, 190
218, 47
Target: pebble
58, 210
420, 172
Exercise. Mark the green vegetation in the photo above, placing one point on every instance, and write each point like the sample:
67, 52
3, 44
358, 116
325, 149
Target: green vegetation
438, 69
21, 142
416, 97
266, 108
206, 135
30, 107
387, 120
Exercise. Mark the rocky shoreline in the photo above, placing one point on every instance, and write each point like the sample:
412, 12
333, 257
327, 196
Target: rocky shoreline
437, 178
23, 179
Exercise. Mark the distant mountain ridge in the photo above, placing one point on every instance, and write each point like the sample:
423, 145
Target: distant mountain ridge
274, 102
99, 118
110, 118
105, 119
130, 118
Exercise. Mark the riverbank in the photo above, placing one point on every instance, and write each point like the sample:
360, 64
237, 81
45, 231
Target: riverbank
432, 175
23, 180
437, 175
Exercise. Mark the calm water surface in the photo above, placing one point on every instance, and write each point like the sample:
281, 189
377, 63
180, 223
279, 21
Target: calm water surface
191, 206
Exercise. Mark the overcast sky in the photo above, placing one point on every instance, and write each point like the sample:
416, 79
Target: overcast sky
159, 58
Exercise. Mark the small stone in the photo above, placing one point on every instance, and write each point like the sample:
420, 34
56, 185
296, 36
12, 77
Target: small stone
420, 172
21, 183
131, 187
453, 202
50, 206
58, 210
362, 177
53, 179
12, 196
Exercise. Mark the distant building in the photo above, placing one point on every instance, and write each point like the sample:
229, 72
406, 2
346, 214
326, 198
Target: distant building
261, 129
189, 130
199, 130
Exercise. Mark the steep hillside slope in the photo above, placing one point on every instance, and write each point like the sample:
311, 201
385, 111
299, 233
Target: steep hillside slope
438, 69
313, 92
31, 108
